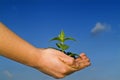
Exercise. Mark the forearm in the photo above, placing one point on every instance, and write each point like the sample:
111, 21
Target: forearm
15, 48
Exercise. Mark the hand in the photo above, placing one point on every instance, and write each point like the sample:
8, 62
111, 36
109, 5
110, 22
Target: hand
57, 64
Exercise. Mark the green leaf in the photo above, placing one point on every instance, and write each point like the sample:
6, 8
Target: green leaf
58, 45
55, 38
70, 38
62, 46
62, 36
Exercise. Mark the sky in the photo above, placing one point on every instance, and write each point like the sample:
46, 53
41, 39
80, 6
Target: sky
95, 24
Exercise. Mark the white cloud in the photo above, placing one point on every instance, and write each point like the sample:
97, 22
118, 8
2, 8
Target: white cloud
99, 28
8, 73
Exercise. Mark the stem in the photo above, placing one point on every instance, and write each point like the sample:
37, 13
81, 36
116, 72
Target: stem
62, 42
62, 48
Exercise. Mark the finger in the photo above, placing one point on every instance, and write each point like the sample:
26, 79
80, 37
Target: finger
83, 56
69, 62
87, 60
81, 63
88, 64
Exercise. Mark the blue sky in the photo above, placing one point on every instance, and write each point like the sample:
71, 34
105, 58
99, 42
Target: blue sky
95, 24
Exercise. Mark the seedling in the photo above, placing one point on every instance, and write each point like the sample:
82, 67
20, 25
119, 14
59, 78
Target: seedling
61, 38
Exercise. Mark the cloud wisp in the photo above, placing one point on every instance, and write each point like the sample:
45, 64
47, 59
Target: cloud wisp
8, 74
100, 28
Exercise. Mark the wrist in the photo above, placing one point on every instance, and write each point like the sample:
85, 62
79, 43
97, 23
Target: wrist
34, 60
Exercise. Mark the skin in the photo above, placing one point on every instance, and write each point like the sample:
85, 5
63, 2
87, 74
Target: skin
49, 61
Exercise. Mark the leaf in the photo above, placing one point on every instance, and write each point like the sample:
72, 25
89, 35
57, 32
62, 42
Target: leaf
62, 46
58, 45
70, 38
62, 36
55, 38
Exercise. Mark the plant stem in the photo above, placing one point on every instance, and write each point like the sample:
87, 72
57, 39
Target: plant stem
62, 42
62, 48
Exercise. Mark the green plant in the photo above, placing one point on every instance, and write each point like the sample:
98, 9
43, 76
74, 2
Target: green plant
61, 38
